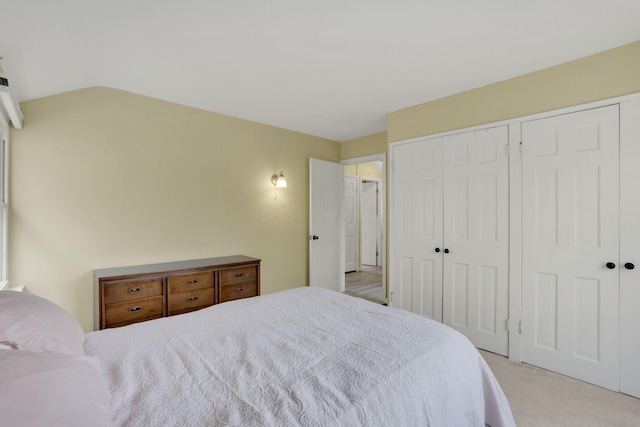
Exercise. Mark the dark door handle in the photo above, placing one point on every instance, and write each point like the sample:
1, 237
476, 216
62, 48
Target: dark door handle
437, 249
611, 265
315, 237
446, 251
629, 266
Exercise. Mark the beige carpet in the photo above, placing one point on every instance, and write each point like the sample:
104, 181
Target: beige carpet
544, 399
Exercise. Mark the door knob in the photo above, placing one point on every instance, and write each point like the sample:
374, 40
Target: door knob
629, 266
611, 265
314, 237
437, 249
446, 251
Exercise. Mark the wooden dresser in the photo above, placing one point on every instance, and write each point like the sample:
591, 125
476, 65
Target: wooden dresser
126, 295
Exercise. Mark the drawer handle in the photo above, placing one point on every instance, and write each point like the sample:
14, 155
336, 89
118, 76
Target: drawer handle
192, 282
192, 298
136, 308
239, 274
238, 290
134, 290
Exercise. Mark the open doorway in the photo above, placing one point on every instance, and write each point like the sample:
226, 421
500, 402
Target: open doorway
365, 226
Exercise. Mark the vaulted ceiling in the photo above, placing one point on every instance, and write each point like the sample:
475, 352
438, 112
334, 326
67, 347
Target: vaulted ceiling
330, 68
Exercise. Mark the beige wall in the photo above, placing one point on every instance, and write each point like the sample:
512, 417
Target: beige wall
104, 178
605, 75
368, 170
365, 146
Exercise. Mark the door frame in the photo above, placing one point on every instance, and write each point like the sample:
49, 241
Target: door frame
382, 157
515, 203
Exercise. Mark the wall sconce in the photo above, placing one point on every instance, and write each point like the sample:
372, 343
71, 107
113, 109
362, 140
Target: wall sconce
278, 181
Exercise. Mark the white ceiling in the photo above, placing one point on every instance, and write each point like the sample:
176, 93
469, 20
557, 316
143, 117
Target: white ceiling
330, 68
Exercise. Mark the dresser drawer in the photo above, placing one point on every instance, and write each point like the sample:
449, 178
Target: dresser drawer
238, 275
190, 281
237, 291
125, 312
190, 300
127, 290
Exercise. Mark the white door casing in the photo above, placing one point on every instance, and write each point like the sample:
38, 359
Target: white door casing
570, 232
351, 220
326, 223
369, 222
476, 236
416, 226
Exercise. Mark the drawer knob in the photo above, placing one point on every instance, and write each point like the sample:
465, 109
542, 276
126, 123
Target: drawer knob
136, 308
239, 274
134, 290
192, 298
238, 290
192, 282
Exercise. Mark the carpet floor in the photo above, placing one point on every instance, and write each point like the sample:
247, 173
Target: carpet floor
542, 398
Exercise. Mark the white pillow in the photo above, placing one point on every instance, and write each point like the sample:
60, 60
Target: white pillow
52, 389
36, 324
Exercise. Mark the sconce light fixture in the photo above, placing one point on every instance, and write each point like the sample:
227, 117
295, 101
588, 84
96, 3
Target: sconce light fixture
278, 181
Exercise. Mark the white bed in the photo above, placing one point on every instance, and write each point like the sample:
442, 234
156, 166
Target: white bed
306, 356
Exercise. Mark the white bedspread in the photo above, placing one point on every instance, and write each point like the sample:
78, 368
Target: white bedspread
307, 357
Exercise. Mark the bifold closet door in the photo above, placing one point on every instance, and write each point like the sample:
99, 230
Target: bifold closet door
450, 227
570, 292
476, 236
417, 228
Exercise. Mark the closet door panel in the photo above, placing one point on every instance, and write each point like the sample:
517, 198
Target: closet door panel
475, 290
570, 232
630, 248
417, 228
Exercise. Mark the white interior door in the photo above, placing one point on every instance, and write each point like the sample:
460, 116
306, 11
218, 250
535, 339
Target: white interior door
630, 248
476, 237
417, 228
326, 225
570, 232
351, 222
369, 223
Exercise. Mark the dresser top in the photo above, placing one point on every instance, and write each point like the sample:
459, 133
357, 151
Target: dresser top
166, 267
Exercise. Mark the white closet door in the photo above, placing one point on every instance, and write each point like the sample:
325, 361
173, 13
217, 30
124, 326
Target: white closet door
476, 236
630, 248
351, 223
570, 232
417, 228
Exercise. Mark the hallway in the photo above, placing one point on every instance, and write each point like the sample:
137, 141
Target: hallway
366, 284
